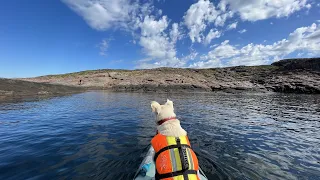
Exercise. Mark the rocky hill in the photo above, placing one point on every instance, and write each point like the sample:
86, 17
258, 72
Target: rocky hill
292, 75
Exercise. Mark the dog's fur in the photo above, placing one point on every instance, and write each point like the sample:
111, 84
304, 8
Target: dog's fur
171, 127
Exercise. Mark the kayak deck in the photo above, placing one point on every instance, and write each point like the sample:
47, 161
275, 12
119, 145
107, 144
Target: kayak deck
151, 170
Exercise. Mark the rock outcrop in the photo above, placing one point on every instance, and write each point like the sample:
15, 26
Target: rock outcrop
289, 76
301, 64
11, 88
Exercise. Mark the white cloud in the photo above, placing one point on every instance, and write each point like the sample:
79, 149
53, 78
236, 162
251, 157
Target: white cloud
300, 54
212, 35
305, 39
221, 19
153, 39
198, 16
308, 6
206, 64
232, 26
222, 6
192, 56
223, 51
174, 33
242, 31
104, 14
158, 36
152, 33
150, 27
103, 46
214, 45
253, 10
157, 45
271, 23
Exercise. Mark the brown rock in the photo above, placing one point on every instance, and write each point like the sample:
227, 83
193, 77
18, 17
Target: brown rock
288, 76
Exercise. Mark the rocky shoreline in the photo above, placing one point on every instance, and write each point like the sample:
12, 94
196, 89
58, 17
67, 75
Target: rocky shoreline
17, 89
286, 76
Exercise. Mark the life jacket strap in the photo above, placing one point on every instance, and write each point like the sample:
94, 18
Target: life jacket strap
177, 173
167, 148
183, 155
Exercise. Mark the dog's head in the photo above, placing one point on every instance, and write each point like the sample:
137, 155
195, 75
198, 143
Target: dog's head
163, 111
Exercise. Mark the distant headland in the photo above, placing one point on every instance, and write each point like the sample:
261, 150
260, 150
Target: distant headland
286, 76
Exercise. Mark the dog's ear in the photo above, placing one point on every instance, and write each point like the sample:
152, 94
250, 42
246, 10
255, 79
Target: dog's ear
156, 107
169, 103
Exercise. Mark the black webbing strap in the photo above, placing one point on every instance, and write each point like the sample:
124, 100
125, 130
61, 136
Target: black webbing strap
183, 155
184, 161
167, 148
177, 173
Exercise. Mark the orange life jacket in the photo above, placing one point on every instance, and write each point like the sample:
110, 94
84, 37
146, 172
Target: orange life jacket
174, 158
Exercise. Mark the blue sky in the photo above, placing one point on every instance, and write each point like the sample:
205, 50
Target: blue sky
51, 37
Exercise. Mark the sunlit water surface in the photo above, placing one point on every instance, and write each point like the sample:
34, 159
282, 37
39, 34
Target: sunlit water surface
103, 135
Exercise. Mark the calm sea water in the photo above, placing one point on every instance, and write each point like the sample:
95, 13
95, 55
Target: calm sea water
102, 135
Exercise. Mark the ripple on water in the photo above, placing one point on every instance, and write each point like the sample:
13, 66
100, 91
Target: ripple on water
100, 135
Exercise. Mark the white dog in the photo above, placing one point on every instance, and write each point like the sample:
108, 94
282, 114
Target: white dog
173, 154
166, 111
